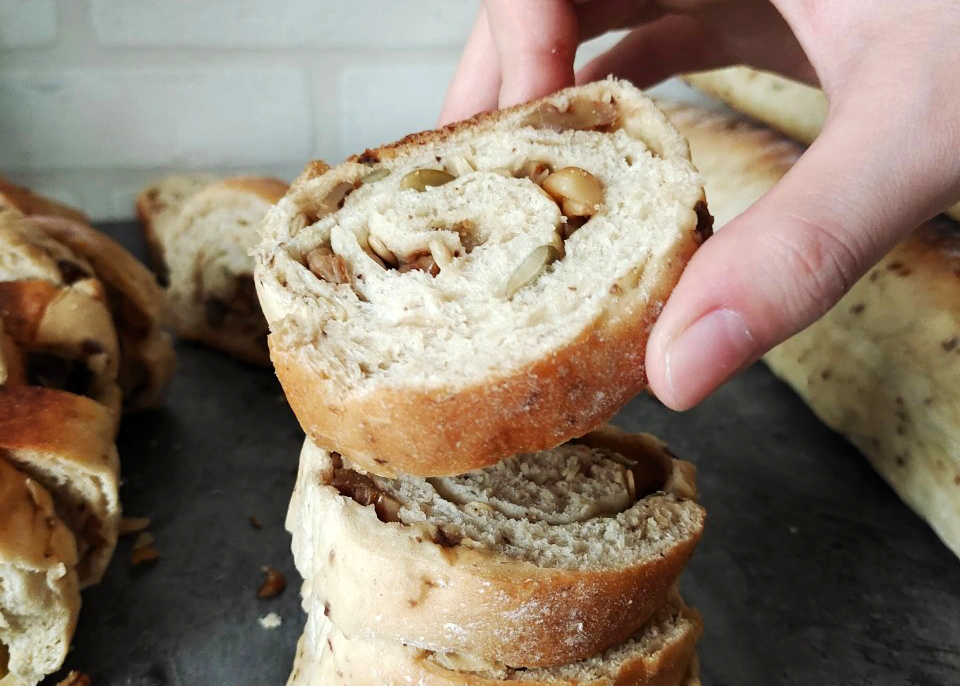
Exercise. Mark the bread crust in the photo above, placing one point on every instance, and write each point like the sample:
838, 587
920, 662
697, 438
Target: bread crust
45, 431
26, 201
465, 599
432, 430
147, 359
883, 366
37, 549
325, 656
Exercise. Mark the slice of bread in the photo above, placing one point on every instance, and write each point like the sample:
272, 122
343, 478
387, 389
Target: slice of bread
543, 559
662, 653
138, 306
22, 199
796, 109
883, 366
158, 206
39, 597
65, 443
202, 233
507, 325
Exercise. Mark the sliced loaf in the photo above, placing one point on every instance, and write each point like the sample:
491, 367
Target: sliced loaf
544, 559
659, 654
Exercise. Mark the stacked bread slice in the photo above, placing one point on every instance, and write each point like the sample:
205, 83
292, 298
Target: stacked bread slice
452, 318
80, 340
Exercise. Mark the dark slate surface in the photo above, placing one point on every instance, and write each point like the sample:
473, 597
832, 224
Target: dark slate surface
811, 571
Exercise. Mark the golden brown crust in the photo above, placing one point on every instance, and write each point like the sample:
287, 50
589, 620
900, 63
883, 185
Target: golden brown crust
13, 365
425, 433
442, 431
469, 599
147, 359
327, 657
30, 203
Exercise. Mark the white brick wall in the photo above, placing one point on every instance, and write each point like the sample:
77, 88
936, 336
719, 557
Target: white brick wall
98, 97
365, 24
27, 23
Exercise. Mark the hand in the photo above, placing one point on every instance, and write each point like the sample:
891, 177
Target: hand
888, 157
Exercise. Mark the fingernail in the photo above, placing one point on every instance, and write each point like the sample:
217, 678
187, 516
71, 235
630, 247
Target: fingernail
705, 354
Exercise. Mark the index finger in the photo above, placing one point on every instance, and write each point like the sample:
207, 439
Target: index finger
519, 50
536, 42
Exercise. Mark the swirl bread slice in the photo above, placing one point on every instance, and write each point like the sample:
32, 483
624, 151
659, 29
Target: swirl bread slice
433, 310
544, 559
39, 596
201, 232
138, 306
65, 443
661, 653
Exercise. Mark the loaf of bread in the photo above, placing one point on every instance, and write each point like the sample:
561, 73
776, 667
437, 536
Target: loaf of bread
14, 197
201, 232
486, 289
543, 559
65, 443
39, 597
883, 366
138, 307
659, 654
794, 108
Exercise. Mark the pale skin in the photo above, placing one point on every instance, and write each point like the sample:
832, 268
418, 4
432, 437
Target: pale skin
887, 159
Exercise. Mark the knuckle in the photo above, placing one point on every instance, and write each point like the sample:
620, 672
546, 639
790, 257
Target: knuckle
822, 262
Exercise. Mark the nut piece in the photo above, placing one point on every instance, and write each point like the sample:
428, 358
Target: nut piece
458, 165
375, 175
132, 525
75, 678
530, 268
327, 266
423, 263
535, 171
579, 192
420, 179
441, 254
273, 584
381, 250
